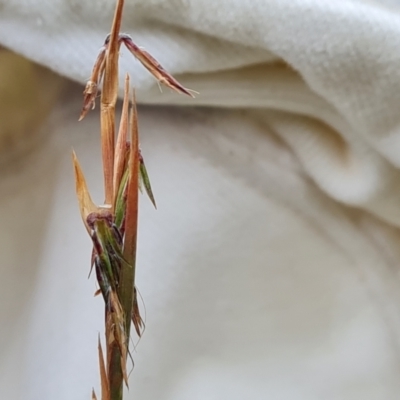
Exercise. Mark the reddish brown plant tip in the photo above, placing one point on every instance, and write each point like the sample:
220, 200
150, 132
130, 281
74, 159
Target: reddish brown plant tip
89, 95
116, 25
110, 85
105, 390
154, 67
108, 100
90, 92
86, 205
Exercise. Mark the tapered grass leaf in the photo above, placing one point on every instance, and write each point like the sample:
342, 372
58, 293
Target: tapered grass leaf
86, 205
154, 67
146, 180
105, 390
131, 222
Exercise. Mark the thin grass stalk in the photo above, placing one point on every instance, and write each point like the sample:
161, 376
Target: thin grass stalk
109, 96
114, 373
115, 369
125, 289
107, 120
113, 226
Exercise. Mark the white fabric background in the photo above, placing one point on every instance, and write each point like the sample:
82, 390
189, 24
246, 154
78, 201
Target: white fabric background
271, 268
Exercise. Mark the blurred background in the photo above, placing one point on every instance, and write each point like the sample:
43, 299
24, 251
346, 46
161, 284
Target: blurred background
270, 269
